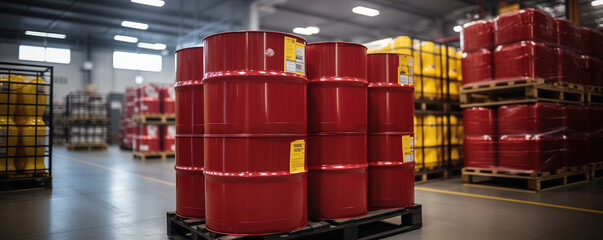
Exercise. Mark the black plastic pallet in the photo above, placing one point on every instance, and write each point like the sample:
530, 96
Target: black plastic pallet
26, 183
370, 226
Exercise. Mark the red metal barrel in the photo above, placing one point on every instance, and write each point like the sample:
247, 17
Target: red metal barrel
168, 135
255, 132
190, 183
337, 130
479, 121
390, 132
168, 100
148, 138
148, 99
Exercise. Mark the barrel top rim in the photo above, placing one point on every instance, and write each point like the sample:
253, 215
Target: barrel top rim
336, 42
187, 48
389, 54
255, 31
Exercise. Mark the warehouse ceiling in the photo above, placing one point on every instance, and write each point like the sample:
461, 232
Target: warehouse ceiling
185, 22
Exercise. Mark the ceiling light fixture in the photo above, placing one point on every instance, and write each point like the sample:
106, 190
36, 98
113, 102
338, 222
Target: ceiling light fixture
45, 34
154, 46
137, 25
457, 28
307, 30
365, 11
596, 3
125, 38
154, 3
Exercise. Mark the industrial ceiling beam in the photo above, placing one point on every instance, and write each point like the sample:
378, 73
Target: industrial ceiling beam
406, 9
395, 31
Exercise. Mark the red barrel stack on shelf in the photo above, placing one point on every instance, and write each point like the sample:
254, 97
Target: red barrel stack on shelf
190, 183
337, 124
481, 138
255, 132
390, 131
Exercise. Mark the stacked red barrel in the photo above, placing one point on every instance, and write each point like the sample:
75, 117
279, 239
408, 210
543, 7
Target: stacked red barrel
529, 43
127, 123
478, 43
255, 132
337, 125
390, 131
481, 140
190, 192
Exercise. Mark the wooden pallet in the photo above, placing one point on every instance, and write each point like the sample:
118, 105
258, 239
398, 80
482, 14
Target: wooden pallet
429, 175
26, 183
518, 91
594, 98
154, 118
99, 146
526, 182
144, 156
596, 170
594, 89
370, 226
88, 120
574, 86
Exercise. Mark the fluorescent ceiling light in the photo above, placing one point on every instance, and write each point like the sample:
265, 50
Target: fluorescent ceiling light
457, 28
154, 3
365, 11
125, 38
307, 30
137, 25
45, 34
154, 46
596, 3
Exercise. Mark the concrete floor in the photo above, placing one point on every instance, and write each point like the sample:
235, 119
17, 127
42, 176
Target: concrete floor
107, 195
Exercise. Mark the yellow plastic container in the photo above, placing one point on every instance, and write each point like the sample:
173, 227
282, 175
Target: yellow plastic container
459, 69
418, 129
33, 130
429, 57
401, 45
430, 134
8, 132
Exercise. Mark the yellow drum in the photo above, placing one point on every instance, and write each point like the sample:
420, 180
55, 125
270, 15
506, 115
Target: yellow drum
32, 129
459, 69
418, 131
8, 132
429, 57
430, 134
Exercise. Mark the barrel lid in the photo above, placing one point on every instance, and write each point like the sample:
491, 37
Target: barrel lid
335, 42
255, 31
187, 48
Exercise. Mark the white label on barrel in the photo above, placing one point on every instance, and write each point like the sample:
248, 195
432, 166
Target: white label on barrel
173, 147
144, 148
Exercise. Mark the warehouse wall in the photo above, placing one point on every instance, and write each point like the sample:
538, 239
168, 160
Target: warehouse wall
104, 75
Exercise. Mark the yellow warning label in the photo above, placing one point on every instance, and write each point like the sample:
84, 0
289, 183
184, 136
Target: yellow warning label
405, 69
408, 148
295, 52
300, 54
297, 156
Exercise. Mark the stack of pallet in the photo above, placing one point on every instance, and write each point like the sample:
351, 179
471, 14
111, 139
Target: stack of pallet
127, 126
154, 122
526, 125
87, 121
438, 119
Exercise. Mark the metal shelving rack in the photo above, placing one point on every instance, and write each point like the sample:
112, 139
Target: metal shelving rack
87, 121
26, 135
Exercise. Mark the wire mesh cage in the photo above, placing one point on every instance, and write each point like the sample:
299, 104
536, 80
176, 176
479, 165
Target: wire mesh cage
25, 123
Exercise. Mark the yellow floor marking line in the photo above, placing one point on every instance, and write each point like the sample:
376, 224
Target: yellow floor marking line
116, 170
508, 200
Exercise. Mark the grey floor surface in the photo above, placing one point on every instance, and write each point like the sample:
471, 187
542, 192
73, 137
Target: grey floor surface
107, 195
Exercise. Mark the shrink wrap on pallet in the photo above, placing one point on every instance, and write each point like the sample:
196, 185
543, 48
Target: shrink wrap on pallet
525, 24
478, 66
477, 35
525, 59
567, 34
